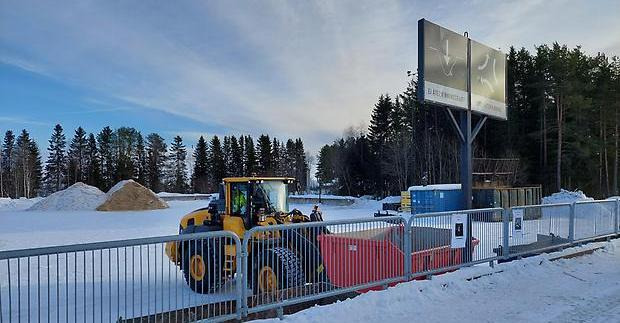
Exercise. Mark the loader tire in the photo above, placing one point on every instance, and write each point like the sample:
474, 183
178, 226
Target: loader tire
277, 269
202, 265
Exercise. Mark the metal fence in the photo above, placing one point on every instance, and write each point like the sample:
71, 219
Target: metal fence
216, 276
129, 280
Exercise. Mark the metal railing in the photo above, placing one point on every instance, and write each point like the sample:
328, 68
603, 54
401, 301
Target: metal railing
279, 265
316, 260
128, 280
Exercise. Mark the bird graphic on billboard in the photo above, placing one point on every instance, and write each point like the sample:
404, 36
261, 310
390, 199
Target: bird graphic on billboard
487, 73
447, 61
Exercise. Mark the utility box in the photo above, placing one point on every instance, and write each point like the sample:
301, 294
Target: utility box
436, 198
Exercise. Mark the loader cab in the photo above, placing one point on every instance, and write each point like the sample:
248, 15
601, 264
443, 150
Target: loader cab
254, 199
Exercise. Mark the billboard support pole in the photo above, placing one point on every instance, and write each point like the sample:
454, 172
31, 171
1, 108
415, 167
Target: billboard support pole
466, 159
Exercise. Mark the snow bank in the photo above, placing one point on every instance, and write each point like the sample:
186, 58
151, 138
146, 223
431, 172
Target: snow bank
440, 187
565, 196
78, 196
323, 196
572, 290
8, 204
391, 199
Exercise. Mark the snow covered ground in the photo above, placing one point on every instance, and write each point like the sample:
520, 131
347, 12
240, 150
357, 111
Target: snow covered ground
582, 289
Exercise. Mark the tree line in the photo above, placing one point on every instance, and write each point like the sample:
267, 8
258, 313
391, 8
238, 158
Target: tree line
562, 126
113, 155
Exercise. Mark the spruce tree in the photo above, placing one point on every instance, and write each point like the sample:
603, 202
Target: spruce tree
228, 162
36, 167
77, 157
105, 140
217, 164
93, 164
249, 160
55, 166
265, 156
178, 171
156, 161
200, 175
8, 165
236, 163
140, 161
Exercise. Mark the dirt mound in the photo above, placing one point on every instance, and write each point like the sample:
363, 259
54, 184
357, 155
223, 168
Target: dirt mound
76, 197
131, 196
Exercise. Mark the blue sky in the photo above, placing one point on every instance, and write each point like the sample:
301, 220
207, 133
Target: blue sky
305, 69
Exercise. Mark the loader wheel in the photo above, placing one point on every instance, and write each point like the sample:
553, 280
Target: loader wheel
202, 266
277, 269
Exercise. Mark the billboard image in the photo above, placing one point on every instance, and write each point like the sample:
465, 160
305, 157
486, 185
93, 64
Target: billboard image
443, 65
488, 84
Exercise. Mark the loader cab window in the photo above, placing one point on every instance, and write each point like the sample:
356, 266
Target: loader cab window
269, 197
239, 200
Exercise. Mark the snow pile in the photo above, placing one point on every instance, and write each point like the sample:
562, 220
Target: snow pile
128, 195
565, 196
8, 204
391, 199
76, 197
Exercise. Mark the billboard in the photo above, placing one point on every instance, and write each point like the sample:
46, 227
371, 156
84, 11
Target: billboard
443, 71
442, 64
488, 84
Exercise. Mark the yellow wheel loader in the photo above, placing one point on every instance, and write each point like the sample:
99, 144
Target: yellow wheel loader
276, 260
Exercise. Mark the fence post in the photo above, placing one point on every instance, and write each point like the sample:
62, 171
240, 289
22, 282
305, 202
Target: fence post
617, 217
506, 232
240, 280
244, 275
571, 223
408, 241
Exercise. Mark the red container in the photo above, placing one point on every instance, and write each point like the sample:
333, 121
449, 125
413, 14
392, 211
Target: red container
357, 258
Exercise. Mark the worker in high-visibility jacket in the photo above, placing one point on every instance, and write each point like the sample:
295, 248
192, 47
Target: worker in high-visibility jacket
239, 201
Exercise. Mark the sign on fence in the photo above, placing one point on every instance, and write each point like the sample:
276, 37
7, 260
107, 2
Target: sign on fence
459, 231
517, 220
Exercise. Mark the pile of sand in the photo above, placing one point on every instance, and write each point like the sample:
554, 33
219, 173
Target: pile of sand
130, 196
77, 197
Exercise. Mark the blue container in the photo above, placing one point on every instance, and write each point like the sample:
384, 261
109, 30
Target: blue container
436, 198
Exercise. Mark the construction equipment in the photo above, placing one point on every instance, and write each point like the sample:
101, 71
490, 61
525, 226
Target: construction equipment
243, 203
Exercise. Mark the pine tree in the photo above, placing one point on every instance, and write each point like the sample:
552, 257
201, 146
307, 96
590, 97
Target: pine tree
55, 166
324, 168
200, 176
77, 157
105, 140
217, 164
250, 163
265, 156
177, 157
156, 161
8, 165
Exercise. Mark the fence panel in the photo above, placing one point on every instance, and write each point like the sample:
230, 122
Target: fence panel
594, 218
543, 227
432, 235
127, 280
292, 263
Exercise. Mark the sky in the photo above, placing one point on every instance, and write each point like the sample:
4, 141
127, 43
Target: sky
308, 69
